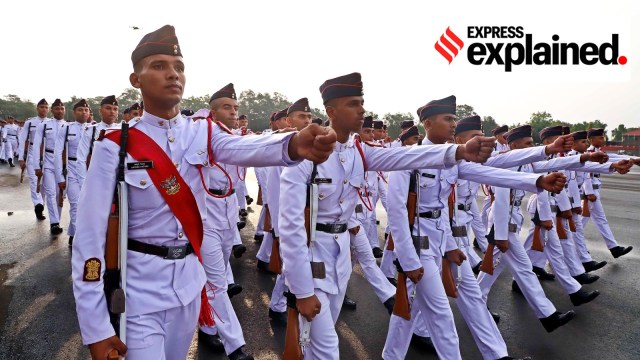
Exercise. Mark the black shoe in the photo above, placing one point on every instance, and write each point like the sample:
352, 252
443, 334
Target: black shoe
238, 250
377, 222
515, 288
212, 341
585, 278
249, 199
475, 244
495, 316
238, 354
393, 281
39, 210
233, 290
543, 274
348, 303
70, 241
422, 342
619, 251
377, 252
55, 229
476, 269
258, 237
11, 162
263, 266
243, 213
241, 224
390, 303
592, 265
556, 320
583, 296
278, 318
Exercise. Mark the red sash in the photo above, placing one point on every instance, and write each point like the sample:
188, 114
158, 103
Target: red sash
175, 191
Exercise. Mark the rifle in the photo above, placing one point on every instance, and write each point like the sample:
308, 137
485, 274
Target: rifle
448, 280
44, 136
25, 154
537, 244
390, 245
487, 262
116, 249
93, 138
275, 261
60, 196
572, 225
401, 308
259, 199
562, 234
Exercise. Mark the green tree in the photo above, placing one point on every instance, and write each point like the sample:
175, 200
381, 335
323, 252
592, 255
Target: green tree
488, 124
259, 107
464, 110
393, 122
13, 105
195, 103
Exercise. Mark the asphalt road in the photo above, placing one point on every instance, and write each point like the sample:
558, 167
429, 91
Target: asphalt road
37, 312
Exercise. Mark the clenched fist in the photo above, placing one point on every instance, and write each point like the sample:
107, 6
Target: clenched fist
553, 182
314, 143
478, 149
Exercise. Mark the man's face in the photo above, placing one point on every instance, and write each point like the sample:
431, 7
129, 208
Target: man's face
161, 79
225, 110
550, 139
465, 136
346, 113
58, 112
299, 119
81, 114
581, 145
411, 140
597, 141
281, 123
522, 143
134, 114
109, 113
43, 110
378, 134
126, 117
243, 123
501, 139
366, 134
440, 128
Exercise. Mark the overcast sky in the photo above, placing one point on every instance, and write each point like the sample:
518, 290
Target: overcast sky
83, 48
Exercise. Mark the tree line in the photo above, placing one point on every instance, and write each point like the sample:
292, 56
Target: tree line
259, 106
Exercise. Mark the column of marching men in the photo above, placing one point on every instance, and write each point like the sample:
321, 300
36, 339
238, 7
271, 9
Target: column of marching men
319, 186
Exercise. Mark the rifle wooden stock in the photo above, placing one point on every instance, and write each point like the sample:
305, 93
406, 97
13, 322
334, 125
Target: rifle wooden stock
292, 350
22, 175
390, 245
38, 184
401, 307
111, 247
562, 234
267, 220
487, 261
113, 355
259, 199
275, 261
585, 208
412, 199
537, 240
572, 224
448, 279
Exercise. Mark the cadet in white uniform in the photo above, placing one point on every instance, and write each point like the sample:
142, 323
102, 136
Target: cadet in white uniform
320, 291
10, 132
65, 155
163, 294
28, 134
109, 116
46, 135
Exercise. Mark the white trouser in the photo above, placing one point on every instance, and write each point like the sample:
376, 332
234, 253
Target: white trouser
570, 251
362, 254
73, 194
36, 198
600, 221
10, 147
215, 266
264, 252
581, 244
51, 189
518, 262
370, 231
162, 335
478, 225
555, 255
386, 265
278, 302
324, 338
241, 191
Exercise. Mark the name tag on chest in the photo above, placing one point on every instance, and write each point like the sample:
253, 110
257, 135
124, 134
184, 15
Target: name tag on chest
139, 165
322, 181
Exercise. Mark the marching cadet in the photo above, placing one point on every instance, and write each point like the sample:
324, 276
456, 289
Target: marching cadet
166, 209
219, 235
425, 250
410, 136
65, 158
317, 272
26, 158
596, 138
378, 131
109, 116
135, 111
3, 141
261, 177
501, 142
44, 162
126, 115
11, 140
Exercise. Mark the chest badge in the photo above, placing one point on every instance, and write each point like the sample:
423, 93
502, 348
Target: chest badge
92, 270
171, 185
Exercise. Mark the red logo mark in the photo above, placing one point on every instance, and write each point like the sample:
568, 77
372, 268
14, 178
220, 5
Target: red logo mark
447, 42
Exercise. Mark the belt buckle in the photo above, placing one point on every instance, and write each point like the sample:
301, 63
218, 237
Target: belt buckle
175, 252
335, 228
435, 214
